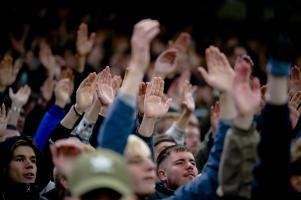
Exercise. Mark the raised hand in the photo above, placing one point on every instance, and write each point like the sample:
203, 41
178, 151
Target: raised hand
166, 63
20, 98
188, 101
144, 32
64, 152
8, 73
48, 60
84, 93
294, 103
3, 118
104, 87
176, 90
295, 79
247, 95
47, 88
220, 75
155, 105
84, 43
62, 92
117, 80
181, 44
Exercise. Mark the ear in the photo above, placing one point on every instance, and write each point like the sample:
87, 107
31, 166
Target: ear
296, 183
161, 174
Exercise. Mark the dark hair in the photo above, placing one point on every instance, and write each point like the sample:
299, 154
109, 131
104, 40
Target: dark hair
163, 138
102, 192
171, 149
21, 142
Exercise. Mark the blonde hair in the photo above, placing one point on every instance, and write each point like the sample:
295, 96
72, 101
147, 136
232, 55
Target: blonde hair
136, 145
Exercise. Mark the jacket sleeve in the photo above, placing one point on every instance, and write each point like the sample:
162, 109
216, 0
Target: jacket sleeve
274, 153
118, 124
205, 185
176, 133
237, 163
48, 123
83, 131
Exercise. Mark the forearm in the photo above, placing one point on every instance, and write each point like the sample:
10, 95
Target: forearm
15, 114
70, 118
239, 157
118, 124
131, 83
93, 112
183, 120
46, 126
147, 126
227, 106
277, 92
81, 61
176, 133
83, 130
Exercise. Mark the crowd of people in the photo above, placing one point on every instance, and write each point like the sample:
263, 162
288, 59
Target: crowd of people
160, 120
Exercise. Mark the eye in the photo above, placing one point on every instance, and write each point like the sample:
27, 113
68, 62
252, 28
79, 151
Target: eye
179, 163
34, 160
193, 163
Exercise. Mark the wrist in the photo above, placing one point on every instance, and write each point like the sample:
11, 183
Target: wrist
243, 122
15, 108
77, 110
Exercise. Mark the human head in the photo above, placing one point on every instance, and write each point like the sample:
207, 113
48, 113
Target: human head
176, 166
192, 139
141, 166
19, 160
161, 142
99, 174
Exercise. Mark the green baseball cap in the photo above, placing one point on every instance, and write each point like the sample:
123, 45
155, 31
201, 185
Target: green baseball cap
100, 169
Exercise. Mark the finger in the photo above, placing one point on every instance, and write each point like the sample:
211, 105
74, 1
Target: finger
167, 104
161, 88
11, 93
3, 112
204, 74
92, 37
148, 88
255, 84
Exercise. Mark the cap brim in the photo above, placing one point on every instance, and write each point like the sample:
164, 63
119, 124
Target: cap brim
96, 183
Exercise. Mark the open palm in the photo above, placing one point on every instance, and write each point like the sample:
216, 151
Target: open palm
220, 75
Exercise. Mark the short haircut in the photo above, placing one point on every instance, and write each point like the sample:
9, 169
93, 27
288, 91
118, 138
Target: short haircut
169, 150
162, 138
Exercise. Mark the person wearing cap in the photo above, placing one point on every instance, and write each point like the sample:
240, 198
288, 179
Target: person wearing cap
102, 174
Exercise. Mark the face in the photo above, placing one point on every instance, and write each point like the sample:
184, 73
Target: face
142, 171
22, 168
179, 168
161, 146
192, 139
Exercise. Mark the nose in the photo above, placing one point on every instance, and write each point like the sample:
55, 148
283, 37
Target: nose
150, 165
28, 164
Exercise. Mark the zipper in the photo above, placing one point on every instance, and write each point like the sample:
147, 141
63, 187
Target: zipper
28, 188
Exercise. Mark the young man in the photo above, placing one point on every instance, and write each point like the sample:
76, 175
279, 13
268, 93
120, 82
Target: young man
22, 175
175, 167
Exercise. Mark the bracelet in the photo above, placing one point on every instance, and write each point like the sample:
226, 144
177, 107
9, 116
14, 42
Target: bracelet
15, 109
76, 112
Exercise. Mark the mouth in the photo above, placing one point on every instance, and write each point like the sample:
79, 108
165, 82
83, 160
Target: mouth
29, 176
149, 178
190, 175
